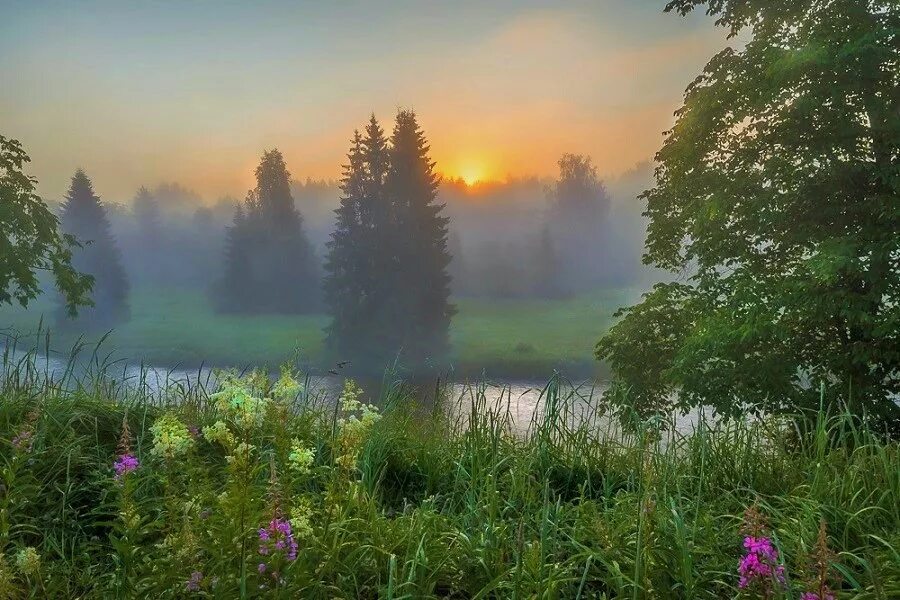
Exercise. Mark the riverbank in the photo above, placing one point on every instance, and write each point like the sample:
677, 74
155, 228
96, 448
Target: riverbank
259, 491
501, 338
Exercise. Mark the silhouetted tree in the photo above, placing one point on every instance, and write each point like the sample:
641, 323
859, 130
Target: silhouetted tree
270, 266
149, 235
387, 285
578, 219
84, 217
421, 308
357, 286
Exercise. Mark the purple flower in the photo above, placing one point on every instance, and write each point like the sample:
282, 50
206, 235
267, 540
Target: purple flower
261, 568
126, 463
193, 584
759, 566
23, 440
816, 596
277, 539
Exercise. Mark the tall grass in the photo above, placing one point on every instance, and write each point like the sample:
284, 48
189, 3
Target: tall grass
454, 499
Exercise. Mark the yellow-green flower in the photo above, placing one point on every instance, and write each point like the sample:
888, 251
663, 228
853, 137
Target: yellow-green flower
28, 561
300, 458
218, 432
171, 437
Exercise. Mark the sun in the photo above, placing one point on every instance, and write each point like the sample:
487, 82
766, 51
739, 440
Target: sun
471, 174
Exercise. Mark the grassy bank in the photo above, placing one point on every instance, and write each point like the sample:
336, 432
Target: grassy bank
513, 337
260, 491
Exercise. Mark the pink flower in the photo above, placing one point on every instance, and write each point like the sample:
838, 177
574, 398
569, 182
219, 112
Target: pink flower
759, 567
125, 464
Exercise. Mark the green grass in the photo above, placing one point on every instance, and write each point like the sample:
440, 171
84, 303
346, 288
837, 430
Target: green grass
507, 337
419, 504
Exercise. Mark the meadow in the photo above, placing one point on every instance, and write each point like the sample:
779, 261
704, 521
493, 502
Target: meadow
177, 327
256, 488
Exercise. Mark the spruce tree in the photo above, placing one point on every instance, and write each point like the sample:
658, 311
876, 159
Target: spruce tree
347, 273
357, 289
149, 236
84, 217
270, 266
421, 310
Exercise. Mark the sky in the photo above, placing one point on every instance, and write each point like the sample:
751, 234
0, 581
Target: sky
137, 93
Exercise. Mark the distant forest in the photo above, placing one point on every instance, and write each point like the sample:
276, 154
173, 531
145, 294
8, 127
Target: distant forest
169, 234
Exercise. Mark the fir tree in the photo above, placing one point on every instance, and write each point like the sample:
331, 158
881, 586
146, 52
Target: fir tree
387, 285
149, 237
84, 217
345, 263
270, 265
421, 307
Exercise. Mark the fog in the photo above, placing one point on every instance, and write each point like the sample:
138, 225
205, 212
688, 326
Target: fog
499, 235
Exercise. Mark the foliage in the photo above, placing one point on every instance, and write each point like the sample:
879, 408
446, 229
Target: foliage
778, 198
267, 249
457, 501
30, 240
387, 285
84, 217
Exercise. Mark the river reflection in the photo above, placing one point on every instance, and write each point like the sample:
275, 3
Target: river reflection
521, 405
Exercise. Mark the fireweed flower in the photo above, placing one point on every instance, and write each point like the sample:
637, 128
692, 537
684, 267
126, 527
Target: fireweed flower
759, 567
23, 440
126, 463
816, 596
171, 437
276, 540
193, 584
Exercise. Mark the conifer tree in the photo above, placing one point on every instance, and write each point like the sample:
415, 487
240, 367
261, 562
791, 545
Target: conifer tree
270, 266
149, 235
387, 285
84, 217
421, 306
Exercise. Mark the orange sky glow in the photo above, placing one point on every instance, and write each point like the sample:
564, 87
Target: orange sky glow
148, 95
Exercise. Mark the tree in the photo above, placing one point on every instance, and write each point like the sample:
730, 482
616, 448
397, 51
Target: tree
578, 218
270, 266
421, 304
30, 239
147, 214
148, 239
778, 196
546, 267
84, 217
387, 286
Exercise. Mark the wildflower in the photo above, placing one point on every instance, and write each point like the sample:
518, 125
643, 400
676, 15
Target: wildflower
278, 537
193, 584
236, 399
818, 570
23, 440
28, 561
218, 432
170, 437
287, 387
760, 563
261, 568
300, 458
126, 463
301, 514
759, 569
